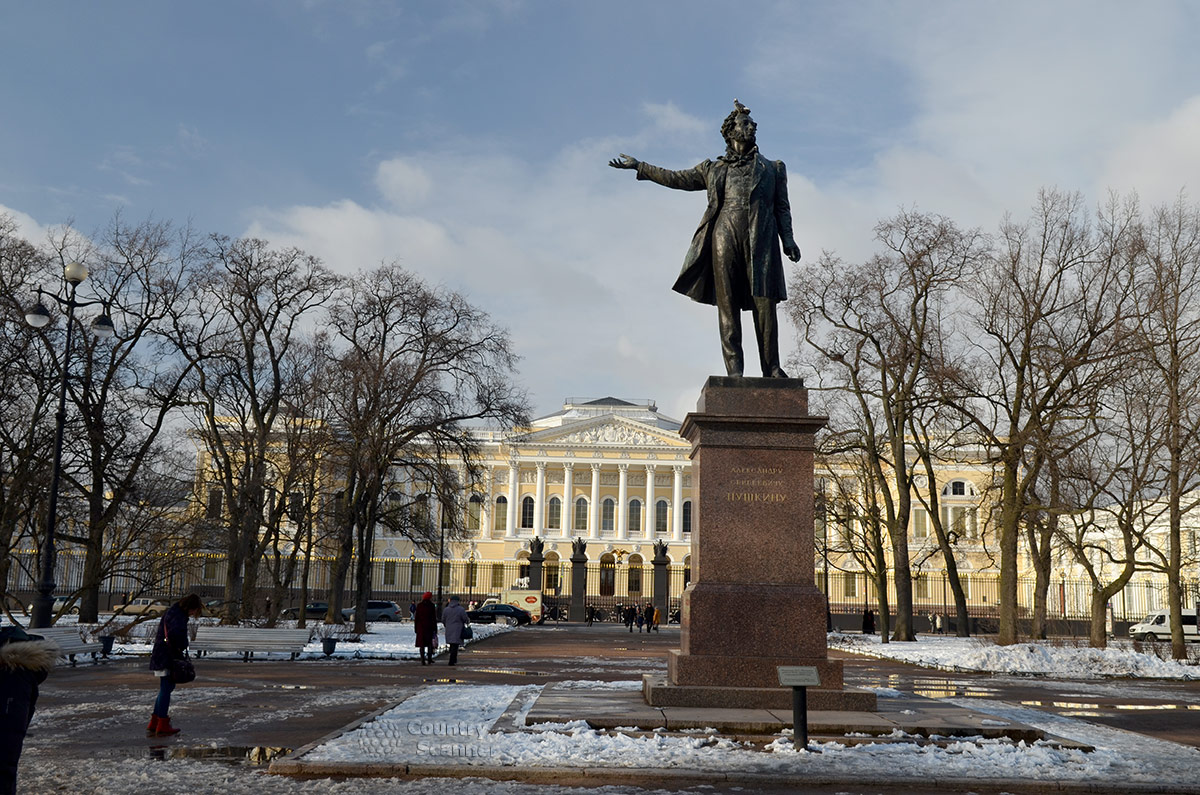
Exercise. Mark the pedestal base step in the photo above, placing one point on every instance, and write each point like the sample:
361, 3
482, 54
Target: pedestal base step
658, 692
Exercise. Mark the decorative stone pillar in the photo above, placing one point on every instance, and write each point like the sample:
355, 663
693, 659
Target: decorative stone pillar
594, 507
579, 559
536, 558
623, 501
510, 527
649, 512
568, 509
539, 501
662, 578
677, 503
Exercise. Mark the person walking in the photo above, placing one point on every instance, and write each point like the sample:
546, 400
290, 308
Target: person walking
25, 661
454, 617
425, 624
590, 613
868, 622
657, 619
627, 616
170, 644
648, 616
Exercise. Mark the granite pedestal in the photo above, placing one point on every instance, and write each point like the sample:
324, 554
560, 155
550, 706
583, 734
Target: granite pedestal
752, 604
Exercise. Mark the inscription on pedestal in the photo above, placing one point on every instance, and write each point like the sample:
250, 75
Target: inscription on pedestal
757, 484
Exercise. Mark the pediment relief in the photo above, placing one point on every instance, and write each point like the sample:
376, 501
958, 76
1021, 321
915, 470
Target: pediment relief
608, 433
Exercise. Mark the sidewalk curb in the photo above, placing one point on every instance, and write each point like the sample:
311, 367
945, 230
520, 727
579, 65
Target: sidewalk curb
657, 777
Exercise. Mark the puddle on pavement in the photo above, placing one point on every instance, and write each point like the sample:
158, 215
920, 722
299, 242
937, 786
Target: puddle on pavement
512, 671
1083, 705
255, 754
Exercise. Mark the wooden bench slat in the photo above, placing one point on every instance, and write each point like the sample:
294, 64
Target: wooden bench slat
69, 642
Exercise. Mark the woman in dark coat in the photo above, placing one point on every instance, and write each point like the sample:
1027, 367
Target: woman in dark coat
170, 643
24, 662
425, 624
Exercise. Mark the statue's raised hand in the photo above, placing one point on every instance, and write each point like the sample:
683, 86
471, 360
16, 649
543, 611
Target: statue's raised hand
623, 161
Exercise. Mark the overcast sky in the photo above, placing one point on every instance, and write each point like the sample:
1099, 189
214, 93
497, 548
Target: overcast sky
469, 140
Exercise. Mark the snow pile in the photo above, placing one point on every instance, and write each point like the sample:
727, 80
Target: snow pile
1034, 659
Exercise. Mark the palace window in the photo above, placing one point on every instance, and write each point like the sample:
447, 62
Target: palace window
958, 488
634, 524
295, 506
527, 512
554, 514
474, 512
497, 576
687, 516
581, 513
635, 575
960, 521
500, 520
416, 575
389, 572
608, 510
920, 523
849, 584
608, 576
213, 509
660, 518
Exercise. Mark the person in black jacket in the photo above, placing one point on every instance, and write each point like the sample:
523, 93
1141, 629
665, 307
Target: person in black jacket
170, 643
25, 660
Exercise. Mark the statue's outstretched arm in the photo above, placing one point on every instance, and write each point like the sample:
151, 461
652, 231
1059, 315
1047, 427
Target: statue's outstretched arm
623, 161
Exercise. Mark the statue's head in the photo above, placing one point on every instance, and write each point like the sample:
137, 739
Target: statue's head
738, 124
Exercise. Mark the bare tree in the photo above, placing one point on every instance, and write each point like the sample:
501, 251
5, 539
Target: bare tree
414, 364
248, 306
1047, 331
873, 325
1170, 328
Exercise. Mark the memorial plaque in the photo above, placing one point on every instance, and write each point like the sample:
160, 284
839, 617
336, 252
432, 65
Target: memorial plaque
798, 676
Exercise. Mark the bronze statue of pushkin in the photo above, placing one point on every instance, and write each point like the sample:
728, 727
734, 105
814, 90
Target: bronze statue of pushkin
734, 261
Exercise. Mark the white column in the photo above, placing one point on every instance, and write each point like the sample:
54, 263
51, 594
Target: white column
623, 501
594, 508
677, 504
539, 501
489, 504
568, 511
649, 513
510, 531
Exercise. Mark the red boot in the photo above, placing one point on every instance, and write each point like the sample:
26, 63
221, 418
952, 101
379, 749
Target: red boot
152, 727
165, 728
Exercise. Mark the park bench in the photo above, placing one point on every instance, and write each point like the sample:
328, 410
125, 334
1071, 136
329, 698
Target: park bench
70, 641
248, 640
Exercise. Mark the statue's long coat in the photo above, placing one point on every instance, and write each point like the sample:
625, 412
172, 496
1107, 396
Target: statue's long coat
770, 219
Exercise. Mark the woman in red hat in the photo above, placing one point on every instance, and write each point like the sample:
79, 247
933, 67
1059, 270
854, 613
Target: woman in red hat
425, 623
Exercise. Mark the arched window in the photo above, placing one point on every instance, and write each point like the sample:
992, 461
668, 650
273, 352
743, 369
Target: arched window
958, 488
554, 514
634, 523
608, 510
527, 512
551, 580
635, 575
474, 511
687, 516
581, 513
608, 574
687, 569
660, 518
500, 521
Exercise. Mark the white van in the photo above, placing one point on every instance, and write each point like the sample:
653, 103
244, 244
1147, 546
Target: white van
1157, 626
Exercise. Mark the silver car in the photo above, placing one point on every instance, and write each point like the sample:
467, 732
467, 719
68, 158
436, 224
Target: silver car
377, 610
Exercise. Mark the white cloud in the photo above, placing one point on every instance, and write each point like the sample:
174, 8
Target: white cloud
1158, 159
403, 183
27, 227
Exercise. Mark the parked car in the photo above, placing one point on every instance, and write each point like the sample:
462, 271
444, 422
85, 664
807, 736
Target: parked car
377, 610
60, 602
311, 610
143, 606
490, 614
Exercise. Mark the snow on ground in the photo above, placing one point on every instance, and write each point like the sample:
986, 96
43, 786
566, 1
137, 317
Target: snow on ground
1044, 658
457, 724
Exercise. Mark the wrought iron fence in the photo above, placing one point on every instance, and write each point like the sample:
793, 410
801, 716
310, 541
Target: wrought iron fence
608, 587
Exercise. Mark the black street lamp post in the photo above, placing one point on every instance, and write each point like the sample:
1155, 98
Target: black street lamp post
102, 326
